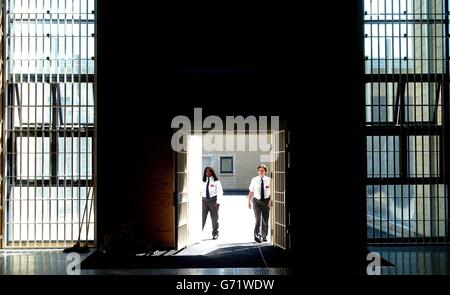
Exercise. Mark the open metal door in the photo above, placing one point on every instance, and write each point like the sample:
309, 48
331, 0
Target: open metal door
279, 220
181, 199
189, 206
194, 168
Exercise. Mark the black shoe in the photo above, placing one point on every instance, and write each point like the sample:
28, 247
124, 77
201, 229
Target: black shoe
264, 239
215, 236
258, 238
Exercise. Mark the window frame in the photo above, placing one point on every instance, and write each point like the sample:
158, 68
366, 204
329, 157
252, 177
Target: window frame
228, 172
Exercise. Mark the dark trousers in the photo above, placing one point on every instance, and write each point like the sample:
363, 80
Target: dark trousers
209, 205
261, 210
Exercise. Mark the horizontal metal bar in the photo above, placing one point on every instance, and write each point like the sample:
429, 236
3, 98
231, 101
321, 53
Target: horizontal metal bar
66, 21
390, 22
46, 132
386, 77
408, 240
48, 78
69, 182
280, 224
404, 180
44, 245
409, 129
50, 222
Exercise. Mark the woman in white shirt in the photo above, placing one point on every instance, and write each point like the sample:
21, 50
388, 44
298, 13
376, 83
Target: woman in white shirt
212, 193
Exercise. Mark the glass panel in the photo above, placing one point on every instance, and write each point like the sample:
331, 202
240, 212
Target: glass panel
45, 208
383, 156
226, 165
423, 153
380, 98
404, 36
75, 157
406, 211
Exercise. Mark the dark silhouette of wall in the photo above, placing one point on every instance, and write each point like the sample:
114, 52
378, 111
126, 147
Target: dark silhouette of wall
156, 63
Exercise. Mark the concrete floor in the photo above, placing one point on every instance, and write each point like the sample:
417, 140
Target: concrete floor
417, 260
236, 226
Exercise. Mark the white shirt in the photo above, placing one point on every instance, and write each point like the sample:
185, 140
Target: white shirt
215, 189
255, 187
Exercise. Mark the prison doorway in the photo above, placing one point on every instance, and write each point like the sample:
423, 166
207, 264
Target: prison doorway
236, 220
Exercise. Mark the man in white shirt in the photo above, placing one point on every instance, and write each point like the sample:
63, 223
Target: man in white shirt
212, 193
259, 192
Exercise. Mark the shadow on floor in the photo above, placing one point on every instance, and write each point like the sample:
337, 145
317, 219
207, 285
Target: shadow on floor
226, 257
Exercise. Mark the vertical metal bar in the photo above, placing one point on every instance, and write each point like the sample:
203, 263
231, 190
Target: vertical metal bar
403, 150
415, 94
86, 155
398, 105
13, 123
16, 194
407, 103
380, 16
372, 151
80, 92
36, 125
429, 14
94, 144
445, 114
19, 107
28, 120
5, 157
71, 61
64, 155
43, 109
72, 121
389, 98
421, 115
411, 110
20, 142
438, 150
57, 108
427, 140
32, 85
438, 121
11, 166
432, 139
13, 143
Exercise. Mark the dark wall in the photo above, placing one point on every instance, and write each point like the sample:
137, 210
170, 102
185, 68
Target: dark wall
159, 62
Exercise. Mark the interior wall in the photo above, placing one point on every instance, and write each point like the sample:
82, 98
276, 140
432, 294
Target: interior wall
245, 160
